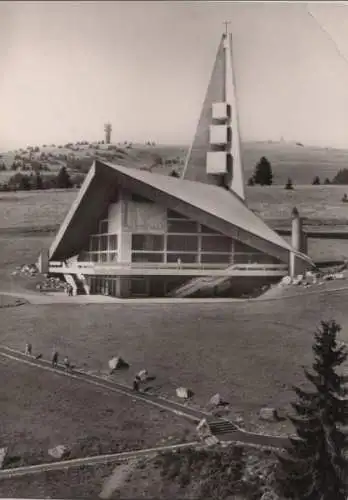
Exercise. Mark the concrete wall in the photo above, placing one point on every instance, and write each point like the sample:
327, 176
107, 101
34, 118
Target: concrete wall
144, 217
114, 217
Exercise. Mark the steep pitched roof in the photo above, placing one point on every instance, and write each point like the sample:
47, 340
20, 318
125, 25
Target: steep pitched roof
215, 201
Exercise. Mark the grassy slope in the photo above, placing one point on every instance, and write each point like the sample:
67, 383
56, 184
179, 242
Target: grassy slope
208, 347
302, 164
40, 410
83, 482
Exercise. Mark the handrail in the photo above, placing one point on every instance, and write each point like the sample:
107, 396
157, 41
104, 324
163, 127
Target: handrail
163, 265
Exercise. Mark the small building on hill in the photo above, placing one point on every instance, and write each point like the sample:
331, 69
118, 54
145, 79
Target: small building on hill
135, 233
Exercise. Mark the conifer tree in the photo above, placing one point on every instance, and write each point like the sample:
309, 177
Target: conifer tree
315, 465
289, 184
263, 173
63, 179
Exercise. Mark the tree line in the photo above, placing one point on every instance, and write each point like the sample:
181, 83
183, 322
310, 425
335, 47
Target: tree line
26, 182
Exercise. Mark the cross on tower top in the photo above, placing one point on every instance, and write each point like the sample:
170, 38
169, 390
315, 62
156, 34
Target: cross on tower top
226, 23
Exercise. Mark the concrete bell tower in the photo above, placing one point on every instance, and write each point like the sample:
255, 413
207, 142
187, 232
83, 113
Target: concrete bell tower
298, 242
215, 154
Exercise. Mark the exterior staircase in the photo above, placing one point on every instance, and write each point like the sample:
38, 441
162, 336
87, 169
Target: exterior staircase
82, 283
196, 284
77, 284
219, 427
210, 282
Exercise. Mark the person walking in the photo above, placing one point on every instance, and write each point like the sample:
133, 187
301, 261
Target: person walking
28, 349
55, 359
66, 363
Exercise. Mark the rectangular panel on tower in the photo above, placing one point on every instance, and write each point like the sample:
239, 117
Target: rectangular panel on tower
220, 111
218, 135
216, 162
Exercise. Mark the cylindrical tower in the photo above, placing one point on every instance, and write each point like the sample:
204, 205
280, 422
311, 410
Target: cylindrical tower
107, 130
298, 242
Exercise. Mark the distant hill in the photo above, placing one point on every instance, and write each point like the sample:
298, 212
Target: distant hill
300, 162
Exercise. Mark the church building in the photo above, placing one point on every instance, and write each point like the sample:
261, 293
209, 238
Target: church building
133, 233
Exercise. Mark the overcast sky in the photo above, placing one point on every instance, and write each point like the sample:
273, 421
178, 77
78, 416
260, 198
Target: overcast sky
67, 68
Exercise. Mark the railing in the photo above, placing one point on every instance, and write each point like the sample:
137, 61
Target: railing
162, 265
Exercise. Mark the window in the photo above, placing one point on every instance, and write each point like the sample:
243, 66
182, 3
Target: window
147, 257
213, 258
208, 230
103, 243
113, 242
248, 258
112, 257
216, 244
103, 257
185, 226
154, 242
94, 243
186, 258
242, 247
175, 215
182, 243
103, 226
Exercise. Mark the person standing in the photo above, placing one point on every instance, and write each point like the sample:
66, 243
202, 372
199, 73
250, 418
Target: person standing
55, 359
136, 382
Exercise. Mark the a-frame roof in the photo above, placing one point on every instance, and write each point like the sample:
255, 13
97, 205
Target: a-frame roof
222, 208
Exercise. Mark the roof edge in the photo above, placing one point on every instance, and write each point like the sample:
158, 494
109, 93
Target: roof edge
71, 213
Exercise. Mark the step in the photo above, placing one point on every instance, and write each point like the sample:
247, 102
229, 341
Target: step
211, 440
222, 427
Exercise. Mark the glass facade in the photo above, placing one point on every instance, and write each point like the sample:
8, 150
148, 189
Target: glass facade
188, 242
102, 246
185, 242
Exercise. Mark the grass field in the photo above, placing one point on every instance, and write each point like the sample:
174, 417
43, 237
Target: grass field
83, 482
249, 352
40, 410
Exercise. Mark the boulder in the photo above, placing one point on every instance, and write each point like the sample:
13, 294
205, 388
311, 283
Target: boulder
58, 452
183, 393
203, 429
298, 280
117, 363
3, 453
269, 414
215, 400
143, 375
287, 280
